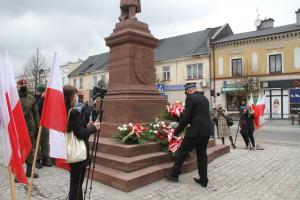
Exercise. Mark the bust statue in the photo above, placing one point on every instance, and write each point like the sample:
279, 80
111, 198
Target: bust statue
129, 8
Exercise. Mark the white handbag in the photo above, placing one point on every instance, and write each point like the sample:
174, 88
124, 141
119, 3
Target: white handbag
76, 149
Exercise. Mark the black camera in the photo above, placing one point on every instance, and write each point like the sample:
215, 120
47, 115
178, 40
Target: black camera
99, 91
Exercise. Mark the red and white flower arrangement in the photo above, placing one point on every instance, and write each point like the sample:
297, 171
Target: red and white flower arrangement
132, 133
174, 111
164, 133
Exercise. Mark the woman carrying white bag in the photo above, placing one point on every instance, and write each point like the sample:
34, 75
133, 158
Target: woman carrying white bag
77, 132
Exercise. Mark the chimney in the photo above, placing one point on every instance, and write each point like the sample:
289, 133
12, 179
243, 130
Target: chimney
298, 17
267, 23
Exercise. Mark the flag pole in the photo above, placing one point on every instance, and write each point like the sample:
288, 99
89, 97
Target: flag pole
11, 184
34, 161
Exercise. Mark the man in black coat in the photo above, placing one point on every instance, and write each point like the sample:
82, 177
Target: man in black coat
197, 116
86, 112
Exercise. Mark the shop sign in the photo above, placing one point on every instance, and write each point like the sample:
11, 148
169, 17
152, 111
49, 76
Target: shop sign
281, 84
232, 89
294, 95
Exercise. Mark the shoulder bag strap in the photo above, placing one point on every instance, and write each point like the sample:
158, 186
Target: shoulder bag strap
69, 113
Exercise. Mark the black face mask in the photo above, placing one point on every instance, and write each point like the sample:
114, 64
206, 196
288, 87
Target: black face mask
185, 92
23, 89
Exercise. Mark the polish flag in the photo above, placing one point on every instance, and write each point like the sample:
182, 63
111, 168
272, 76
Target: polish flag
251, 103
13, 129
259, 112
54, 116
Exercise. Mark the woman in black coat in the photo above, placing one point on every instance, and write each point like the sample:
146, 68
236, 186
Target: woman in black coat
248, 126
82, 131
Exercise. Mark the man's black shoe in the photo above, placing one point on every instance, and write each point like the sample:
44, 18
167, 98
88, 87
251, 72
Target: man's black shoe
203, 184
38, 165
35, 175
47, 163
171, 179
28, 171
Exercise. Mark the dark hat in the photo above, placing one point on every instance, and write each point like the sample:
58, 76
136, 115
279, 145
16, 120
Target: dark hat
22, 82
41, 88
189, 85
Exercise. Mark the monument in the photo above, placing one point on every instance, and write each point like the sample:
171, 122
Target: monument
133, 97
129, 8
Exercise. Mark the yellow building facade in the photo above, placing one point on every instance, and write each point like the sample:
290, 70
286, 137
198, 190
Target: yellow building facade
179, 75
261, 62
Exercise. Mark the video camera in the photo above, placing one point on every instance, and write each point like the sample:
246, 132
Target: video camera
99, 91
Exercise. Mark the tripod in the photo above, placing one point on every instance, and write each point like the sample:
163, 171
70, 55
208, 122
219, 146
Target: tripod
89, 180
248, 138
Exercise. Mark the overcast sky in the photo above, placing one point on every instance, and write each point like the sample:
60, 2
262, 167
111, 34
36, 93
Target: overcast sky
77, 28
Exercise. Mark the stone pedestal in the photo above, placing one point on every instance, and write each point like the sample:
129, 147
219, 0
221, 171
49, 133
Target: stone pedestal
132, 96
129, 167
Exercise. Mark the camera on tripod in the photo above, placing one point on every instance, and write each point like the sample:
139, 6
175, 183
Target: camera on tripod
99, 91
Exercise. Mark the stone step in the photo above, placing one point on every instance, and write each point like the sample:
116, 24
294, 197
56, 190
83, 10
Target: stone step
129, 181
129, 164
115, 147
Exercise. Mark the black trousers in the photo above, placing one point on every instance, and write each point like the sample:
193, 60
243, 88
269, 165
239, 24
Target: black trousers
77, 175
188, 144
248, 134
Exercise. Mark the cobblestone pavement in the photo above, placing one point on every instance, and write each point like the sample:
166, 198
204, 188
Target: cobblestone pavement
270, 174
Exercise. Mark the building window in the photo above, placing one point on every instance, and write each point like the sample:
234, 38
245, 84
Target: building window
75, 83
236, 67
194, 71
80, 83
233, 102
166, 73
95, 80
275, 63
103, 77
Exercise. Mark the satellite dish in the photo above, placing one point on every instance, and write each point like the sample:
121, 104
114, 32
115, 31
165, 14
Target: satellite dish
257, 22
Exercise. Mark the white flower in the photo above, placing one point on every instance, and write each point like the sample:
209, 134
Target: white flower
130, 124
124, 125
155, 132
156, 119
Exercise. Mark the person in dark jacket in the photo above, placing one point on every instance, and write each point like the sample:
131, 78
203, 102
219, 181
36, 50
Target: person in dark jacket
86, 111
32, 119
197, 116
82, 131
248, 127
44, 158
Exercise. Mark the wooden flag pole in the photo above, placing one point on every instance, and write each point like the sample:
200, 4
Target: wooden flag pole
11, 184
34, 161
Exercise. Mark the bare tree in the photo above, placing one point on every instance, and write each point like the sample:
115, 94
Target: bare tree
34, 68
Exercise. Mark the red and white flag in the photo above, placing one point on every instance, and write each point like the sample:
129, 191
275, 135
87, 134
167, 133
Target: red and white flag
54, 115
13, 129
251, 102
259, 111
